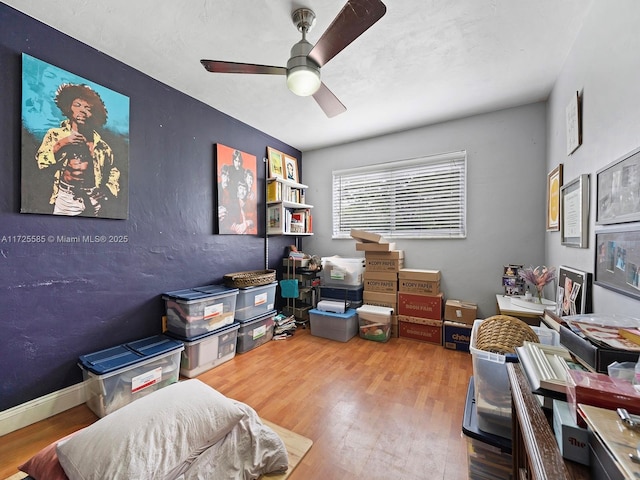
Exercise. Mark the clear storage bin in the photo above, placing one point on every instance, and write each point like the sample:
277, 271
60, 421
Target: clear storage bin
117, 376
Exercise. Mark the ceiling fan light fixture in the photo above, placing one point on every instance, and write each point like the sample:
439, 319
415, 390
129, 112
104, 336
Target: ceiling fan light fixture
303, 80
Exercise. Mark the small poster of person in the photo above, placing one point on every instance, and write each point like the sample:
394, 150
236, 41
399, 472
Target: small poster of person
237, 195
75, 144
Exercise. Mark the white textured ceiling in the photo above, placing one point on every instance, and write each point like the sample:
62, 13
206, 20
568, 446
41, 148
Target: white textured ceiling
424, 62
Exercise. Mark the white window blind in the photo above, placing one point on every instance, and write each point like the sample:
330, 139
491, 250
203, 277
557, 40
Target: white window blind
418, 198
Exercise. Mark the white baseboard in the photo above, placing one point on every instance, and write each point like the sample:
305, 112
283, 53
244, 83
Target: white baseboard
40, 408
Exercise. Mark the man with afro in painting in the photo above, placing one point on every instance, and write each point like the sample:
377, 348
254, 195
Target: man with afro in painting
85, 176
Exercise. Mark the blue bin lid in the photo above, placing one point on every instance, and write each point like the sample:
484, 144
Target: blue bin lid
199, 293
262, 316
348, 314
121, 356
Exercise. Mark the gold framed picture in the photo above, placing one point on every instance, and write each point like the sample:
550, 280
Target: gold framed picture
275, 159
291, 169
554, 183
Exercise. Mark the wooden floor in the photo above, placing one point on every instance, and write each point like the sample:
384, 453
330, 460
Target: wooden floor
373, 410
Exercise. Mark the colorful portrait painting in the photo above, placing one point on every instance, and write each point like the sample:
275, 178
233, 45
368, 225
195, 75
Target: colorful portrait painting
237, 193
75, 144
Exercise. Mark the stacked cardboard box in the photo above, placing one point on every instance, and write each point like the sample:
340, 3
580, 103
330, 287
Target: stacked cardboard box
382, 263
420, 305
458, 321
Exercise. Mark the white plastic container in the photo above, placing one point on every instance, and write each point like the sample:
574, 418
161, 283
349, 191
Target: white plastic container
342, 272
208, 351
374, 322
492, 391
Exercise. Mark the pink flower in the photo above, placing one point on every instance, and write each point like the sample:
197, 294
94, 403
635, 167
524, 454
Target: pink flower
538, 277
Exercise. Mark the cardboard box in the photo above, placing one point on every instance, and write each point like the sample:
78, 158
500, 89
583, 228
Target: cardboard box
380, 263
394, 329
573, 440
393, 254
418, 274
364, 236
456, 336
375, 247
418, 320
430, 333
424, 306
459, 311
385, 282
422, 287
381, 299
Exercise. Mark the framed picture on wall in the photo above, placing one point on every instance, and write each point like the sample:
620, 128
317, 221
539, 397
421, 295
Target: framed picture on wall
618, 190
617, 262
554, 182
291, 168
275, 160
573, 296
237, 195
574, 212
574, 123
75, 144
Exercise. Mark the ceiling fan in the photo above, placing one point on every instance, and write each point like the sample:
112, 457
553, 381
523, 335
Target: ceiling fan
303, 68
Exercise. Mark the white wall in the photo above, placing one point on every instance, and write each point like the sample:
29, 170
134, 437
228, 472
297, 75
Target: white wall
604, 65
506, 175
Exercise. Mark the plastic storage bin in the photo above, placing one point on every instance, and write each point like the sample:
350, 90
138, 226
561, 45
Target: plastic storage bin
342, 272
374, 322
492, 391
197, 311
208, 351
334, 326
116, 376
489, 456
255, 332
254, 301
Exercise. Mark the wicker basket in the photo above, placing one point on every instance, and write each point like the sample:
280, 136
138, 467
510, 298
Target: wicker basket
252, 278
502, 333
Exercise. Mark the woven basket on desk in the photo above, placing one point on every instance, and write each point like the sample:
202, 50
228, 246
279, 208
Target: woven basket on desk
252, 278
502, 333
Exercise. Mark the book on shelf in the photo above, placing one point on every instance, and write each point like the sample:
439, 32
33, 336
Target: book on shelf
273, 217
301, 221
364, 236
632, 334
274, 192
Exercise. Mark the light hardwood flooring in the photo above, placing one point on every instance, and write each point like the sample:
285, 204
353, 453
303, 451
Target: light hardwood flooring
373, 410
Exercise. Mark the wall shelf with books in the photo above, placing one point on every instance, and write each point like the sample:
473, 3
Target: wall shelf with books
287, 213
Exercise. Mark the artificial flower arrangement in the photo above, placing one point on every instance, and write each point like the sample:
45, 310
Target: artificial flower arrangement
538, 277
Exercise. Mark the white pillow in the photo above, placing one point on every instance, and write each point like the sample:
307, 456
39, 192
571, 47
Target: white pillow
154, 437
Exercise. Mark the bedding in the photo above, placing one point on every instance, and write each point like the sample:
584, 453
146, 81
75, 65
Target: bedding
184, 431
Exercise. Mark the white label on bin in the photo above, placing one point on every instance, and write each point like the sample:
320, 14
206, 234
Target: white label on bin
260, 299
214, 310
259, 332
338, 274
146, 380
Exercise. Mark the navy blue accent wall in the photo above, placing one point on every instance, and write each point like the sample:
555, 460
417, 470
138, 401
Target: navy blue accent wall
61, 300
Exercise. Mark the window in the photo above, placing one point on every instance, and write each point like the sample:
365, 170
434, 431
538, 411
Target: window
419, 198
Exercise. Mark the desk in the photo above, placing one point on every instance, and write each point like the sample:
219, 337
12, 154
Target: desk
529, 315
536, 455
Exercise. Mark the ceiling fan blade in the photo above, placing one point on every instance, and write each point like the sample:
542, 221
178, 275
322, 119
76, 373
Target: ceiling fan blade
328, 102
352, 21
216, 66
